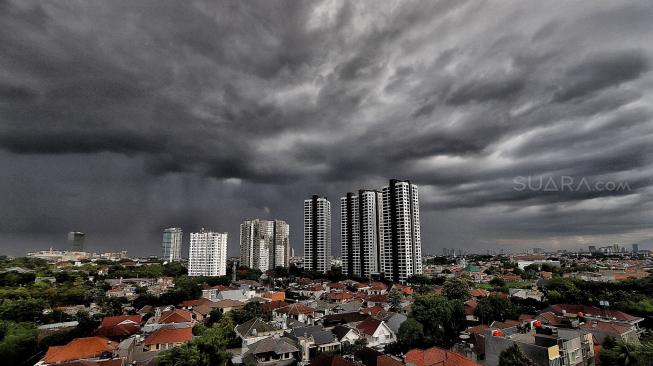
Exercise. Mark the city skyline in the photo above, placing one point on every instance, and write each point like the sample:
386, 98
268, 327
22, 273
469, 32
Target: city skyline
523, 124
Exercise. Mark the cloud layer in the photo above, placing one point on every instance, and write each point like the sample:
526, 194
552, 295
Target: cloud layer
120, 118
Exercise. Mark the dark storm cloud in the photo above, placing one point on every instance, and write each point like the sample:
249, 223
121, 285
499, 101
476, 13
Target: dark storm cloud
123, 116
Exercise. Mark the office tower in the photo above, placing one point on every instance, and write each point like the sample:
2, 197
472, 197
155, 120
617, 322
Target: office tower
592, 248
317, 234
264, 244
207, 254
635, 248
75, 240
361, 232
171, 244
402, 253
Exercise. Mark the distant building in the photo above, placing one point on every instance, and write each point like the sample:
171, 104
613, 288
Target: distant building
402, 244
361, 232
171, 244
207, 254
635, 248
75, 241
592, 249
264, 244
317, 234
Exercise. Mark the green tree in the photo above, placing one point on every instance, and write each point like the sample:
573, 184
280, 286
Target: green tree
498, 282
494, 308
457, 289
395, 297
440, 317
18, 342
618, 353
513, 356
410, 334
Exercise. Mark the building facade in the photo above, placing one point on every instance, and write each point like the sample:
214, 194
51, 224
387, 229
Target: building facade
402, 245
75, 241
207, 254
264, 244
361, 232
317, 234
171, 244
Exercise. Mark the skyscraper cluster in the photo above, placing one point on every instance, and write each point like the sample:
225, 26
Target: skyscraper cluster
380, 232
264, 244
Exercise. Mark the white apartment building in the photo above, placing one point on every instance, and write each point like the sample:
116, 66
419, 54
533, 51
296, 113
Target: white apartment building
171, 244
361, 232
317, 234
264, 244
402, 245
207, 254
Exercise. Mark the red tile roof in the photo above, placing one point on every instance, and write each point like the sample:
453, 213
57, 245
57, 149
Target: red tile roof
326, 359
605, 327
296, 309
269, 306
378, 298
87, 347
341, 295
479, 292
368, 326
478, 329
437, 357
592, 311
120, 326
387, 360
169, 335
470, 306
373, 310
196, 302
176, 316
378, 286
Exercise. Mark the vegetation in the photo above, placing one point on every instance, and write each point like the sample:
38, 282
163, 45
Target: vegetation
440, 317
494, 308
620, 353
457, 289
207, 349
513, 356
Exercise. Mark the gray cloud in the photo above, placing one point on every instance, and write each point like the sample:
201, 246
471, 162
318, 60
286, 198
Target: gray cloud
120, 118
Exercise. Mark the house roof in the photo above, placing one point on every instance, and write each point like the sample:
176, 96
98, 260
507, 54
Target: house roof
111, 362
606, 327
296, 309
319, 334
276, 304
340, 331
343, 318
195, 302
175, 316
437, 356
228, 303
340, 295
470, 306
368, 356
253, 327
377, 298
387, 360
480, 292
372, 310
120, 326
369, 326
350, 306
79, 348
278, 345
326, 359
169, 335
592, 311
378, 286
478, 329
549, 318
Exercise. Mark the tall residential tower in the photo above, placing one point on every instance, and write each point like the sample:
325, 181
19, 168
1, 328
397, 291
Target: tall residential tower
361, 233
264, 244
402, 244
317, 234
207, 254
171, 244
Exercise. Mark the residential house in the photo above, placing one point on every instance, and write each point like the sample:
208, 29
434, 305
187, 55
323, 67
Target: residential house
165, 338
314, 340
272, 351
255, 330
376, 332
80, 349
297, 311
435, 356
120, 327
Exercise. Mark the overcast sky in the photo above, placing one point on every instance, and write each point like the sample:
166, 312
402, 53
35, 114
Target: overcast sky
120, 118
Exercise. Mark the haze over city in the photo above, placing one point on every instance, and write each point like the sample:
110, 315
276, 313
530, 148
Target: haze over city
119, 119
